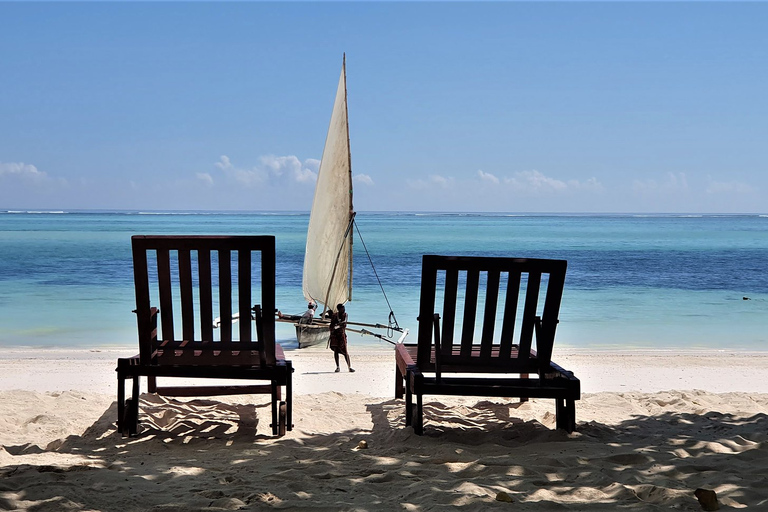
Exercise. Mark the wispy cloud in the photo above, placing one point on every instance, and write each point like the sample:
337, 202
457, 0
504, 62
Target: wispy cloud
441, 181
270, 170
537, 182
434, 180
22, 171
362, 179
205, 178
289, 167
224, 163
487, 177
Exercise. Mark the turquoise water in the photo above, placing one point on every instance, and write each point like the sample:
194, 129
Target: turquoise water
668, 282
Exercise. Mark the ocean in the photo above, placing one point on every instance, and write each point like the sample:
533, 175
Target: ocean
657, 282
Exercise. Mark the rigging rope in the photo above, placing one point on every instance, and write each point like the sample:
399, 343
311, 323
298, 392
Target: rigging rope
392, 317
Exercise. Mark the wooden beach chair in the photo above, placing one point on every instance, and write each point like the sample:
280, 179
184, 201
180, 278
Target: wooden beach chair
523, 296
192, 278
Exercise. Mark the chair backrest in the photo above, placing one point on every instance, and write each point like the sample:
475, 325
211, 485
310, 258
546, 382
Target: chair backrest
193, 281
514, 296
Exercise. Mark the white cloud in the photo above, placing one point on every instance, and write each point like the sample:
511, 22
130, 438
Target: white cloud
524, 183
304, 175
535, 181
23, 171
272, 169
592, 184
487, 177
205, 178
362, 179
289, 167
434, 180
223, 163
278, 165
28, 177
441, 181
248, 177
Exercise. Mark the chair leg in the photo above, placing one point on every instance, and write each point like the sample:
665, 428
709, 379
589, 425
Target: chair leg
133, 413
289, 397
282, 423
275, 405
121, 402
565, 411
152, 384
398, 382
418, 421
523, 398
408, 408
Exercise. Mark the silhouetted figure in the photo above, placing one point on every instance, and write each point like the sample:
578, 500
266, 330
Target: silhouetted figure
338, 338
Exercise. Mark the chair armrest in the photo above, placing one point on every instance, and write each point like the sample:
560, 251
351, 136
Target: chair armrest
279, 353
403, 359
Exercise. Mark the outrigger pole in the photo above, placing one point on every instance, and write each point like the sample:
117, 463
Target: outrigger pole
381, 336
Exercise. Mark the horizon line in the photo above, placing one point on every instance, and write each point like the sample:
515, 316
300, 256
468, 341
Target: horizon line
137, 211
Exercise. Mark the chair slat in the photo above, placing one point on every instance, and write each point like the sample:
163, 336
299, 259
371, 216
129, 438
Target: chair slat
546, 341
489, 318
185, 290
470, 312
267, 347
206, 294
510, 315
244, 295
225, 295
449, 308
166, 298
427, 307
143, 314
529, 313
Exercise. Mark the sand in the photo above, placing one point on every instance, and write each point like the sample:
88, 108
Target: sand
651, 428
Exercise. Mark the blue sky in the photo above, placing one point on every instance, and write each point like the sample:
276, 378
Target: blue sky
516, 107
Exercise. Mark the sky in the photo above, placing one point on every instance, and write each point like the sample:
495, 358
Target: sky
605, 107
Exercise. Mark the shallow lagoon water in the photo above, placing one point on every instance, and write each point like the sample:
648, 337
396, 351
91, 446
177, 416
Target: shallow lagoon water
661, 281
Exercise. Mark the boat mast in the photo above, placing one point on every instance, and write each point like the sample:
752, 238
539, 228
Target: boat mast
349, 156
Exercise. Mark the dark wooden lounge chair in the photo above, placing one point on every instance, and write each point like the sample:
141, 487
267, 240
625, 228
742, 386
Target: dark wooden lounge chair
189, 275
448, 360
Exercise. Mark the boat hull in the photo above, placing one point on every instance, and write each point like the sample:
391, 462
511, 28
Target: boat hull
312, 334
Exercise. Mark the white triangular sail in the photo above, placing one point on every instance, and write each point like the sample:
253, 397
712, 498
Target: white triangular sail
328, 255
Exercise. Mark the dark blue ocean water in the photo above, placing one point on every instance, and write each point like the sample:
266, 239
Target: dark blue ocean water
669, 282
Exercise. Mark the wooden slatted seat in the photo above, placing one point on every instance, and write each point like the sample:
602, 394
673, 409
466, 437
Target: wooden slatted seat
522, 297
191, 278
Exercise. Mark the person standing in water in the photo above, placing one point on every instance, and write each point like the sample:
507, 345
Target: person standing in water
338, 338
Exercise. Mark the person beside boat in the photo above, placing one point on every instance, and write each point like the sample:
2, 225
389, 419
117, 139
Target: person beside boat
338, 337
304, 318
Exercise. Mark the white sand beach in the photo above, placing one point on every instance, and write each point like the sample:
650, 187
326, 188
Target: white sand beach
651, 428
